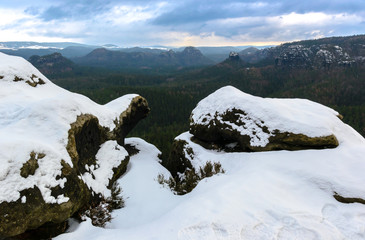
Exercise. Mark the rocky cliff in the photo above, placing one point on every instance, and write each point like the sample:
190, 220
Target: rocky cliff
321, 53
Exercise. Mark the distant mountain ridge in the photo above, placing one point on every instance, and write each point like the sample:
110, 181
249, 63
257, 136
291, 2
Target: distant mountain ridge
320, 53
28, 49
73, 50
101, 57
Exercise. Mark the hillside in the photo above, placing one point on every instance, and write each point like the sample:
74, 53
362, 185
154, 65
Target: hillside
52, 64
189, 57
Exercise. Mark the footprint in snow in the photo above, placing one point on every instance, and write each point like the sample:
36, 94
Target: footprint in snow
349, 227
204, 231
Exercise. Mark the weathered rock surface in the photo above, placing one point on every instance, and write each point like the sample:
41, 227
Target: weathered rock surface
59, 151
229, 117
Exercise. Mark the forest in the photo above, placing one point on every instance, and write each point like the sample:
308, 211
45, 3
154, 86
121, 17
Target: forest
173, 94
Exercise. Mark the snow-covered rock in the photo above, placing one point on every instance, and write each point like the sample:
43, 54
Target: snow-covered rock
229, 116
58, 150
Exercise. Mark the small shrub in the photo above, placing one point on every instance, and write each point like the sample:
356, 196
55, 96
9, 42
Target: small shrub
169, 182
207, 171
100, 213
187, 181
218, 168
161, 178
115, 200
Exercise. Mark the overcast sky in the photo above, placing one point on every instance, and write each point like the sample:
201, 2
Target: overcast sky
179, 22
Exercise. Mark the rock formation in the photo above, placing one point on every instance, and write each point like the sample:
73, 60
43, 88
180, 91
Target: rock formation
59, 151
232, 121
311, 54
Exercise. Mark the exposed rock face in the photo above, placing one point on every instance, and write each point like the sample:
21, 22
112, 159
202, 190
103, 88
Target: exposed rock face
311, 54
230, 116
316, 56
59, 151
222, 131
137, 110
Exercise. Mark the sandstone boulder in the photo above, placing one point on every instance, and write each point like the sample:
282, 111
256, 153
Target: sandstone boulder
230, 119
59, 151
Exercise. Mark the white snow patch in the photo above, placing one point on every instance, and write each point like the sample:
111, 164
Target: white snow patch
110, 156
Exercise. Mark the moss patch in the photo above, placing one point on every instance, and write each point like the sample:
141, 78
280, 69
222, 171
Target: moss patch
18, 79
34, 82
17, 217
348, 200
31, 165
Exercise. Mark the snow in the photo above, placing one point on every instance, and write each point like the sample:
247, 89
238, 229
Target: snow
262, 195
297, 116
110, 156
38, 119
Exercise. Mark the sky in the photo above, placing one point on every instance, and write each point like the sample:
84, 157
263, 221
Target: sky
179, 22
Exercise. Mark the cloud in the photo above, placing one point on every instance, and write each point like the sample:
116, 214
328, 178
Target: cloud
169, 22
